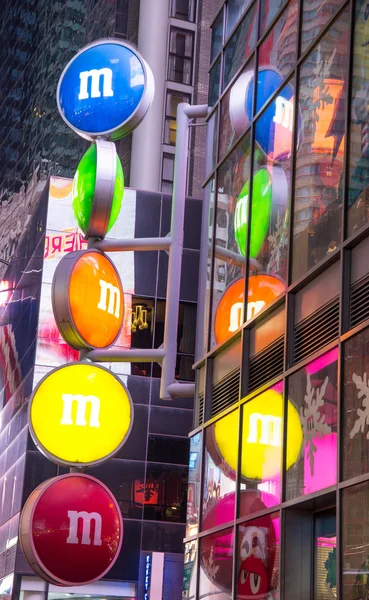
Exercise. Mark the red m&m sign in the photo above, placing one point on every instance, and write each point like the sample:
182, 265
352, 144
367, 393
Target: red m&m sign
71, 530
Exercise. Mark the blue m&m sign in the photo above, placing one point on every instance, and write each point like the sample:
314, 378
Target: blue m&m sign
105, 90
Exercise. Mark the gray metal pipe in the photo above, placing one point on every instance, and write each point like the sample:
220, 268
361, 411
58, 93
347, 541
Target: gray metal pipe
181, 390
138, 244
132, 355
185, 112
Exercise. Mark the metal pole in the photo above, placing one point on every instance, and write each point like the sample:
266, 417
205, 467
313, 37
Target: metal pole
137, 244
131, 355
185, 112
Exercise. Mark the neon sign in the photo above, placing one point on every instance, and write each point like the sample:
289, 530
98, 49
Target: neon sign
147, 577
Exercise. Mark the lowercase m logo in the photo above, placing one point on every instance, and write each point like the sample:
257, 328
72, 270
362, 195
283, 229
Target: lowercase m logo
108, 289
82, 402
87, 519
94, 75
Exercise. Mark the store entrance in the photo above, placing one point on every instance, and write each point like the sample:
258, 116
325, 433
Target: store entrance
325, 585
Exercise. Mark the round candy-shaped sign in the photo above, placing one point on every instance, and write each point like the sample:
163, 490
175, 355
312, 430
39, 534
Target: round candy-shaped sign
261, 213
84, 191
88, 300
105, 90
80, 414
71, 530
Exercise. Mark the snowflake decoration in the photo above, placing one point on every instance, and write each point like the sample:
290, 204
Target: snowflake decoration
315, 93
277, 240
312, 420
362, 420
210, 566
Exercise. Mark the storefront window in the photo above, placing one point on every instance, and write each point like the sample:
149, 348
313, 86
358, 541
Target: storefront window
214, 83
320, 151
268, 249
228, 283
189, 572
279, 51
355, 542
216, 565
235, 8
258, 558
358, 192
313, 392
269, 9
355, 402
261, 458
315, 16
240, 45
235, 116
193, 490
220, 465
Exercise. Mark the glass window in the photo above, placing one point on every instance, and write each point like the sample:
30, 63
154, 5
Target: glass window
355, 409
235, 8
320, 152
216, 565
214, 83
228, 278
163, 494
315, 16
184, 9
170, 128
209, 191
211, 143
219, 481
240, 45
189, 573
216, 37
261, 454
355, 542
167, 176
236, 110
258, 558
180, 56
312, 427
325, 584
268, 244
193, 492
358, 192
277, 55
269, 9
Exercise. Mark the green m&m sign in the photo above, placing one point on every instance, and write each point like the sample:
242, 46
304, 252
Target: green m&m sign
85, 188
261, 213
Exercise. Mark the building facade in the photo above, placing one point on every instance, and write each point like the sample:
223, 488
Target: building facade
279, 491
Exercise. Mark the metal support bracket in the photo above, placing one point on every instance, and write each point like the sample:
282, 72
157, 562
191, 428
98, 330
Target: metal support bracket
167, 355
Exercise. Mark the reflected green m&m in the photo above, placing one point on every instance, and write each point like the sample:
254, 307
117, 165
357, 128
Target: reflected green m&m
84, 188
260, 213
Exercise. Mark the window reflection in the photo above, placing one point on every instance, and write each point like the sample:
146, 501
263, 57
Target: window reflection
240, 45
316, 14
232, 176
355, 543
216, 565
193, 491
319, 165
258, 558
313, 391
269, 9
219, 484
358, 193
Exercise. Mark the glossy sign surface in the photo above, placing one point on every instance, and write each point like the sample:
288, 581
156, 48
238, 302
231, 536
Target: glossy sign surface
71, 530
80, 414
103, 87
88, 300
84, 190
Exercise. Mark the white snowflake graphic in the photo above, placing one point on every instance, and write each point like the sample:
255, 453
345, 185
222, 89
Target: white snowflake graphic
210, 566
362, 420
278, 240
313, 421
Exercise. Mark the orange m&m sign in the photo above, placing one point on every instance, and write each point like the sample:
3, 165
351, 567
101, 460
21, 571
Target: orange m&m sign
88, 301
262, 291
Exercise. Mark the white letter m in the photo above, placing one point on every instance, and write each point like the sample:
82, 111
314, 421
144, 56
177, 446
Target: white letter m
87, 518
94, 75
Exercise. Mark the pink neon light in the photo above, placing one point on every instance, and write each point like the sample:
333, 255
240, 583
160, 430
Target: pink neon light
322, 361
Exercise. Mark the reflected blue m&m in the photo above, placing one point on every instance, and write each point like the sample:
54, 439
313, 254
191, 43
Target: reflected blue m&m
102, 88
274, 127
